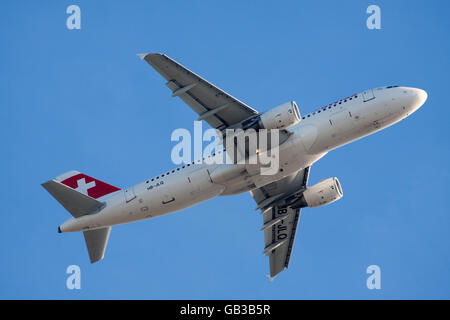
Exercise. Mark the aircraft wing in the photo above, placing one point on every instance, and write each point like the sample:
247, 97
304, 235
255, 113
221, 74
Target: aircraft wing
212, 104
280, 220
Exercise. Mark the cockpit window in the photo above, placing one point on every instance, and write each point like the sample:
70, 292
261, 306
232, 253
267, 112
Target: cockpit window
389, 87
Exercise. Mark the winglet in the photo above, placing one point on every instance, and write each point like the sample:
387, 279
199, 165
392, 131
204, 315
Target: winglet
142, 55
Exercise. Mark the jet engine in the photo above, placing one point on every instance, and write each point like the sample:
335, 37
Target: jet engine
323, 193
280, 117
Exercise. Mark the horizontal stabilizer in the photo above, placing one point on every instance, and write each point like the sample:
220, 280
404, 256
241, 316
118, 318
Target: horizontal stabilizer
96, 241
77, 203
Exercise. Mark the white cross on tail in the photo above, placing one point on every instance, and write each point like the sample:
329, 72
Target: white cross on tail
83, 187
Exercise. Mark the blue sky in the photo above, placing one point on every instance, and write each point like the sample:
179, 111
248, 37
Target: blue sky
81, 100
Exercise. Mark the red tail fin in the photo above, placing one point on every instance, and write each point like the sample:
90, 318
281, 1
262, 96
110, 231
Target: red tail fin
86, 184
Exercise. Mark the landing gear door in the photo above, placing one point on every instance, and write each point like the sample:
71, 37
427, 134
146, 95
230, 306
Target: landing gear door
368, 95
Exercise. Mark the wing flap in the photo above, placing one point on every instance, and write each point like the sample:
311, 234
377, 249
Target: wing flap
195, 105
280, 221
283, 231
199, 94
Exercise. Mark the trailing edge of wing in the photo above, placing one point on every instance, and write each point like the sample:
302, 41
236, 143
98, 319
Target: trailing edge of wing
203, 97
280, 220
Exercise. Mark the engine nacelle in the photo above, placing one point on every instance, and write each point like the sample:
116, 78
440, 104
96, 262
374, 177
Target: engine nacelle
280, 117
323, 193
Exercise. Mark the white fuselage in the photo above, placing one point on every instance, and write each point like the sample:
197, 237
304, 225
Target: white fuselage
317, 133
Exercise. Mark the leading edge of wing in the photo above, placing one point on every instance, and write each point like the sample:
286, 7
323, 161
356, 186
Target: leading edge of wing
150, 58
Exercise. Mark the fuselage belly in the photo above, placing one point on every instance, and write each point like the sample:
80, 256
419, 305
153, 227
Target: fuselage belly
317, 133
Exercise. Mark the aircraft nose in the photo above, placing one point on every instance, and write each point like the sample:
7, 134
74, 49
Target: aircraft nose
419, 97
412, 99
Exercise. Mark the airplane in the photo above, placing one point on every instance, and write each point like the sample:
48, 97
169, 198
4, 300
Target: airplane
303, 140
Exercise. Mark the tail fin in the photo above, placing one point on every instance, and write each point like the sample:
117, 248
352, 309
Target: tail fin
78, 193
85, 184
